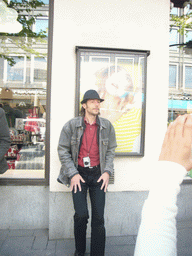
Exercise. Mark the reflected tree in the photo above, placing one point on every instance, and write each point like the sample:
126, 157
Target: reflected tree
26, 41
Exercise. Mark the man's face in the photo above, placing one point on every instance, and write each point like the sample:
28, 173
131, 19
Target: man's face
92, 107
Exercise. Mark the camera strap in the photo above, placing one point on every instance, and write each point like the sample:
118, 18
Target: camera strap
88, 151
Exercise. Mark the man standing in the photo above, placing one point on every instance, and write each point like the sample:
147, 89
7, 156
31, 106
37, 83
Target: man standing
86, 150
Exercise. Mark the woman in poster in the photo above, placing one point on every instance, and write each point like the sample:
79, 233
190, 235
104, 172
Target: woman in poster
122, 106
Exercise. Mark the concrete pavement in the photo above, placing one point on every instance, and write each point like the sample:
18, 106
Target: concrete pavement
21, 242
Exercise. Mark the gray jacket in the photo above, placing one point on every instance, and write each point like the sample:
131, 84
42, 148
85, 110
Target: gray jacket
4, 141
70, 142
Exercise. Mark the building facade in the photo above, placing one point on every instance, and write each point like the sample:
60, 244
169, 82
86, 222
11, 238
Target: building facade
40, 201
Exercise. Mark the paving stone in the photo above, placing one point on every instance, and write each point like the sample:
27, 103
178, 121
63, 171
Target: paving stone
41, 232
116, 254
120, 240
21, 232
17, 246
184, 252
65, 247
51, 245
184, 238
43, 253
121, 249
66, 244
3, 234
66, 253
40, 243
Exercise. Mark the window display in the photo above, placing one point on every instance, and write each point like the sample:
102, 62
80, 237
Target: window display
23, 89
27, 126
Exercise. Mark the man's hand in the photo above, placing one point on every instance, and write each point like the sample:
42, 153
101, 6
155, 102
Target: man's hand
75, 182
105, 178
178, 141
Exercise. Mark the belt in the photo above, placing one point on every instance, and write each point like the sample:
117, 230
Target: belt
91, 167
94, 167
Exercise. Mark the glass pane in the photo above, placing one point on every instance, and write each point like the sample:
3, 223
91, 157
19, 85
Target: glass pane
188, 77
174, 11
173, 39
41, 25
188, 36
45, 1
172, 76
23, 92
16, 72
40, 70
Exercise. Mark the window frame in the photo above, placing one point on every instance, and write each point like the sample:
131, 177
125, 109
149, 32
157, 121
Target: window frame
45, 180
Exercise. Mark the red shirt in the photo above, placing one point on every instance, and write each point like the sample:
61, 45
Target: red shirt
89, 146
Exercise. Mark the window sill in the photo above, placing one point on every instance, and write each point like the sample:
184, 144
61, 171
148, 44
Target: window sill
23, 174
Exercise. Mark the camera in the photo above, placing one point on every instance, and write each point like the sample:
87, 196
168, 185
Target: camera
86, 161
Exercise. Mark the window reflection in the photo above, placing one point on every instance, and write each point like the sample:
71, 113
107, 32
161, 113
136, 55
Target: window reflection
173, 39
16, 72
188, 77
172, 76
23, 92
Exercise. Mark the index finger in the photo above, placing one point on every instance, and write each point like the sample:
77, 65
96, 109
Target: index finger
105, 187
73, 187
79, 186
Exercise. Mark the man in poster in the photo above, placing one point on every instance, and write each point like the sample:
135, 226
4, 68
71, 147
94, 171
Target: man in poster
86, 150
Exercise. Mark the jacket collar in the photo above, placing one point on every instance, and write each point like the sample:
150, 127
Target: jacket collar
81, 123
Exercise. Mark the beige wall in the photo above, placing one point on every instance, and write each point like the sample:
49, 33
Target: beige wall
129, 24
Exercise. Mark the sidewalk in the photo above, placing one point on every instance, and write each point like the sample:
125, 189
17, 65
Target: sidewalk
36, 243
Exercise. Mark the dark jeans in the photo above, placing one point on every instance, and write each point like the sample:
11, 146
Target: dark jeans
81, 216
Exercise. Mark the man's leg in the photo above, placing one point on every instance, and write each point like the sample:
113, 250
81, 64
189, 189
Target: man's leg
97, 197
80, 218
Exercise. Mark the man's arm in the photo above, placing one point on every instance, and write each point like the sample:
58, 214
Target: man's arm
110, 154
109, 159
157, 232
64, 151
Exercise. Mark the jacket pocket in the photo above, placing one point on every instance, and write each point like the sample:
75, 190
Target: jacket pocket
73, 141
105, 142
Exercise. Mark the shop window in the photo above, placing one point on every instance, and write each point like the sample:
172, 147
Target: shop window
24, 91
